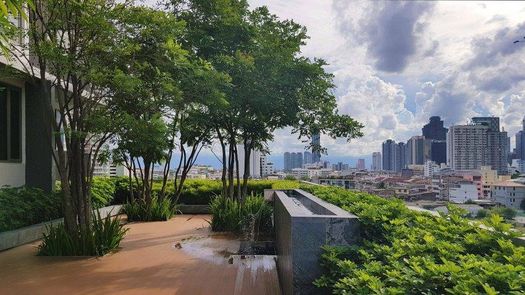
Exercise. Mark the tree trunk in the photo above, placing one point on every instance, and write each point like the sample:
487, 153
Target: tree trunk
224, 164
246, 175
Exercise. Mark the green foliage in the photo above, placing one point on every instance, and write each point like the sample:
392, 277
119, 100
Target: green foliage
254, 214
25, 206
201, 191
408, 252
103, 236
507, 213
482, 213
157, 210
102, 191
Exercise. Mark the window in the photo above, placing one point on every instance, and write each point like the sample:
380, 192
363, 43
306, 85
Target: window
10, 124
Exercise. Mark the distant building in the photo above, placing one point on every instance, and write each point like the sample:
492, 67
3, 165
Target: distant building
401, 156
255, 162
431, 168
418, 150
391, 156
517, 165
480, 144
376, 161
437, 134
292, 160
340, 166
266, 166
361, 164
510, 193
520, 142
467, 147
316, 145
287, 161
110, 170
463, 191
307, 158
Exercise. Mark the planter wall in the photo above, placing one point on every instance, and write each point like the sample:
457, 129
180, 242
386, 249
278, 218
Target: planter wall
28, 234
303, 224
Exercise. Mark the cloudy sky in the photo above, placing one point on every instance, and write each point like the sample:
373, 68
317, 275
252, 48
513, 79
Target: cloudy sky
398, 63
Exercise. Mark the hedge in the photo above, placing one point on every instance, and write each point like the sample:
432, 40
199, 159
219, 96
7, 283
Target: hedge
408, 252
199, 191
24, 206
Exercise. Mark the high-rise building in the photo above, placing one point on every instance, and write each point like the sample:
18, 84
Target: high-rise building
361, 164
498, 146
520, 142
467, 147
418, 150
376, 161
391, 160
479, 144
402, 156
287, 161
435, 129
437, 134
255, 162
266, 166
307, 157
297, 160
293, 160
316, 145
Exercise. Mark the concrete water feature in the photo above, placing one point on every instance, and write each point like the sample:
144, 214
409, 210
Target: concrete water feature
303, 224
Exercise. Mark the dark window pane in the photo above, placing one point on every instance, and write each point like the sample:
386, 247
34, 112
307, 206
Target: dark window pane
16, 128
3, 123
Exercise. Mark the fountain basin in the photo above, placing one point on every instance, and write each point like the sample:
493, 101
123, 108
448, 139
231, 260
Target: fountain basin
303, 224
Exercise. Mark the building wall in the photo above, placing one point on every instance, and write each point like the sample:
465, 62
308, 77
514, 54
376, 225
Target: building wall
463, 192
14, 173
509, 196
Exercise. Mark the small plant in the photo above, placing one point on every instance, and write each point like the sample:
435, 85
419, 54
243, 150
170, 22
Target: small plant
251, 216
103, 236
157, 210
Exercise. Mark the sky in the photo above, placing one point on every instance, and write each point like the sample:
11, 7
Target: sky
395, 64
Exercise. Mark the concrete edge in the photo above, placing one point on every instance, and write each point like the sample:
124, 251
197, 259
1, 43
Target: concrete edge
31, 233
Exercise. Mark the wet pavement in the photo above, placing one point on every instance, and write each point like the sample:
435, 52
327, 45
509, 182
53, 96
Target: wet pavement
180, 256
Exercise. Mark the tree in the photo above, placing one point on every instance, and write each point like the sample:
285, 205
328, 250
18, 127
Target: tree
272, 86
72, 52
164, 92
10, 8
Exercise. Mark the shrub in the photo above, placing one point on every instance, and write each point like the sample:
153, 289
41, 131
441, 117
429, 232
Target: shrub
408, 252
103, 236
102, 191
158, 210
25, 206
226, 214
507, 213
482, 213
254, 215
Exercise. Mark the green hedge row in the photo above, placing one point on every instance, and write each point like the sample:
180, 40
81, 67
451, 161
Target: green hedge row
24, 206
199, 191
408, 252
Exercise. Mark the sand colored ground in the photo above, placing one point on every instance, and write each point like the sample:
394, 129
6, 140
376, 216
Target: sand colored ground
150, 262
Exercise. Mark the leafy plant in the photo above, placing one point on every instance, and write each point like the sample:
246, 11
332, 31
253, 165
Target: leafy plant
408, 252
253, 215
102, 191
103, 236
157, 210
23, 206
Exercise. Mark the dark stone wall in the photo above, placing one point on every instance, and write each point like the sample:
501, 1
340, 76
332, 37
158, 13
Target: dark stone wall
299, 239
38, 141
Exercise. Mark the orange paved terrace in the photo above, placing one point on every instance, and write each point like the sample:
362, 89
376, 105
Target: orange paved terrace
149, 262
